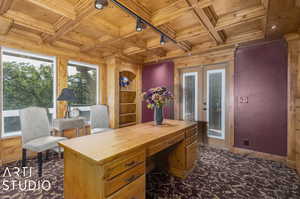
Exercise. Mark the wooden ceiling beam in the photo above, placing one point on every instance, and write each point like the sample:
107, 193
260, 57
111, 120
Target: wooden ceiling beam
5, 6
207, 18
212, 46
78, 38
297, 2
61, 7
30, 22
84, 9
190, 33
265, 3
169, 13
5, 25
27, 35
240, 17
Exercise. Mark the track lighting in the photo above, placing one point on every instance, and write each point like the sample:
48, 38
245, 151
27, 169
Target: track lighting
162, 40
139, 25
100, 4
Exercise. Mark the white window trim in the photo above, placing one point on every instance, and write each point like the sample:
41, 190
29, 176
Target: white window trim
196, 94
222, 104
97, 79
13, 113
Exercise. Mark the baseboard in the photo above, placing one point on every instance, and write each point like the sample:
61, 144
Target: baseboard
261, 155
291, 163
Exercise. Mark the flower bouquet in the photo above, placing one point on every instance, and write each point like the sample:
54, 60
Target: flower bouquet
156, 98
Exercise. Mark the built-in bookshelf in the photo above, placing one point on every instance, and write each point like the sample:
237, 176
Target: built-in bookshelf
128, 105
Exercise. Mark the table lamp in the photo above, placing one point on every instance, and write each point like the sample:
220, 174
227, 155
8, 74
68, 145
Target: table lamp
68, 96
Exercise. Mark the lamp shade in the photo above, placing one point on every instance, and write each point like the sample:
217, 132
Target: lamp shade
67, 95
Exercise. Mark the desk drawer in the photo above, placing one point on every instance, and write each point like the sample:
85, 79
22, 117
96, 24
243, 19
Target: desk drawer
191, 139
124, 179
120, 165
191, 154
135, 190
164, 144
191, 131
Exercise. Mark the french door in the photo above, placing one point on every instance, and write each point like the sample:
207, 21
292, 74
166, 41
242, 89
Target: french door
204, 97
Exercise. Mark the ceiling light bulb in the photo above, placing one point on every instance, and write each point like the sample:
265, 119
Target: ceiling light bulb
139, 25
162, 40
100, 4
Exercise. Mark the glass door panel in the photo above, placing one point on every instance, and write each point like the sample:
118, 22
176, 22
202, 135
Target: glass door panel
190, 96
216, 103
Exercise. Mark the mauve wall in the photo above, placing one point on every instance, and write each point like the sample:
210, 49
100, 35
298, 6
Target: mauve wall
261, 76
155, 75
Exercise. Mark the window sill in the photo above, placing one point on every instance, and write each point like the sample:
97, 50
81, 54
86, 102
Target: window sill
11, 135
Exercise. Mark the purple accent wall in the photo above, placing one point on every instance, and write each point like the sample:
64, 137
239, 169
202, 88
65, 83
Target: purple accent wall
155, 75
261, 79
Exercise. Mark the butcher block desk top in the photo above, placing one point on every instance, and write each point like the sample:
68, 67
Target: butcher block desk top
104, 147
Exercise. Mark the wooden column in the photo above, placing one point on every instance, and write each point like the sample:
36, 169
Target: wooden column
177, 95
230, 104
293, 94
61, 83
112, 64
103, 84
139, 93
1, 106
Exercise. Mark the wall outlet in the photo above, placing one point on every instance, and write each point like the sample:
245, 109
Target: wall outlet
246, 142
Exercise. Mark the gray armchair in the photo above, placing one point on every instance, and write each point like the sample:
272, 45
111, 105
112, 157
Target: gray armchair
36, 134
99, 119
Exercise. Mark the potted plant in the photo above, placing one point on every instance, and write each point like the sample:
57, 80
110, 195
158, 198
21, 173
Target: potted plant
156, 98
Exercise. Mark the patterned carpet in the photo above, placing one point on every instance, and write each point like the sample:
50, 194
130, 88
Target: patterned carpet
219, 174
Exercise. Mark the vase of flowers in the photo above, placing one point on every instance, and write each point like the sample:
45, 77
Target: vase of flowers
156, 98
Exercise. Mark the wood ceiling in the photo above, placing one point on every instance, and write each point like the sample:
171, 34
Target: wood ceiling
198, 26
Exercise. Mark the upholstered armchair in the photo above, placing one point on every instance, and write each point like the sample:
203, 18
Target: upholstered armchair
36, 134
99, 119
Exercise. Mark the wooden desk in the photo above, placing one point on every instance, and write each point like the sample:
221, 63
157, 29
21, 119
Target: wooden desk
112, 165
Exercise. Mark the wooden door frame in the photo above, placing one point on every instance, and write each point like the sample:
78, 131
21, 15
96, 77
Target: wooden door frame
228, 65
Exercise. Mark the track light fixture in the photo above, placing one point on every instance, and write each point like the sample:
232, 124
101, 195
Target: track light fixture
100, 4
162, 40
139, 25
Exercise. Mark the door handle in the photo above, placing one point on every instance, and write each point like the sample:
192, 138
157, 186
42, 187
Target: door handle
205, 109
243, 100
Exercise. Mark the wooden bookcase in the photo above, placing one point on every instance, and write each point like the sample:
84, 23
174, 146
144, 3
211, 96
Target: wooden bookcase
128, 101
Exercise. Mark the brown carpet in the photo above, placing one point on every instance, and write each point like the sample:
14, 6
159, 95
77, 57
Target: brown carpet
219, 174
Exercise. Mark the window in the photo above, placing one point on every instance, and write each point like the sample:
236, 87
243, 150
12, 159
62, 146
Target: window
190, 96
83, 79
216, 103
28, 80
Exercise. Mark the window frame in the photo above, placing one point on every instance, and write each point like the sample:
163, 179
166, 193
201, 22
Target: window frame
15, 113
93, 66
185, 74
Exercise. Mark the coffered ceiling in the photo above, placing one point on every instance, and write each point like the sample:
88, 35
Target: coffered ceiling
197, 25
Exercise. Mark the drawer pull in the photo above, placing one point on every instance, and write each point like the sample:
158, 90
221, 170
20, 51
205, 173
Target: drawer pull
131, 179
130, 164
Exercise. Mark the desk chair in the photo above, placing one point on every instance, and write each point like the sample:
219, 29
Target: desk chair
36, 134
99, 119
